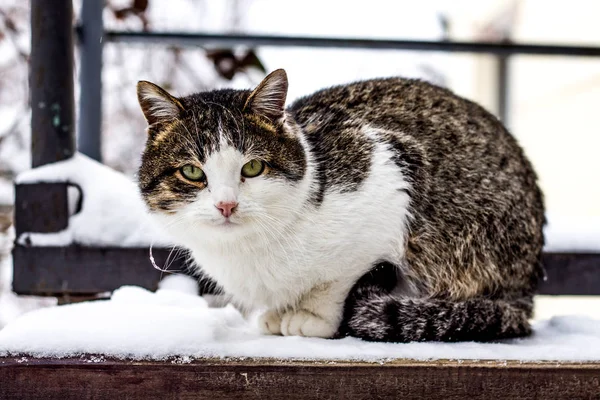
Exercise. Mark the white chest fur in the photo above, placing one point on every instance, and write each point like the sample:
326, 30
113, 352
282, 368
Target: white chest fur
339, 239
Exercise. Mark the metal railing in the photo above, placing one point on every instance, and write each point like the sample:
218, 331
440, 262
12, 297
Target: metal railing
92, 36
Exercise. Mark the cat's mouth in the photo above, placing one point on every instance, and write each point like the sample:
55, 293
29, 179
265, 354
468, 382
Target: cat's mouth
227, 223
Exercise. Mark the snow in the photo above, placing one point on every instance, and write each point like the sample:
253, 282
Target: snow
179, 283
11, 305
112, 214
174, 322
547, 307
7, 192
572, 233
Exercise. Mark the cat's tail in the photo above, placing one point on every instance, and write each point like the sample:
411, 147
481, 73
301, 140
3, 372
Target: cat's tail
378, 315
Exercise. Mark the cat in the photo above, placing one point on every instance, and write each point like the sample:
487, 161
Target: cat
388, 209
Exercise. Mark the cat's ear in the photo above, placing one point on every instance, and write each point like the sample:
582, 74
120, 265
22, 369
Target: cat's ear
156, 103
268, 99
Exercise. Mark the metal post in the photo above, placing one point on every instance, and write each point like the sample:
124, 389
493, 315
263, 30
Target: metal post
502, 83
90, 99
51, 81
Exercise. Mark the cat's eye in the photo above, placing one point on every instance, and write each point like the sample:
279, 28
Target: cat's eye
253, 168
192, 172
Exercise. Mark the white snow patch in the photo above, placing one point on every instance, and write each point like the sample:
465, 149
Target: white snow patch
179, 283
140, 324
572, 233
8, 115
11, 305
7, 192
547, 307
112, 214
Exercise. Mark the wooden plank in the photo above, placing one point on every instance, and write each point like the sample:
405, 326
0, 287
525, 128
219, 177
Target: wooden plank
95, 377
571, 274
82, 271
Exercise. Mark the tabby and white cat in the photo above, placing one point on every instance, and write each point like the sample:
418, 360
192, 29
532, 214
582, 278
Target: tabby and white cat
287, 209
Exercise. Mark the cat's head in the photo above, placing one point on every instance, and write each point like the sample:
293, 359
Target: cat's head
224, 162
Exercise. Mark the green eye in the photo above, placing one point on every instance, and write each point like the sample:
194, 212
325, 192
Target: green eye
192, 172
253, 168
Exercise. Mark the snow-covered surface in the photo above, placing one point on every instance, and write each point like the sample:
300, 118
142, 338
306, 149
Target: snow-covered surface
175, 322
547, 307
572, 233
112, 214
11, 305
7, 192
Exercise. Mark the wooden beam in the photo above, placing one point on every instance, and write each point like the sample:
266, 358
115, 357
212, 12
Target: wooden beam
60, 271
96, 377
84, 271
571, 274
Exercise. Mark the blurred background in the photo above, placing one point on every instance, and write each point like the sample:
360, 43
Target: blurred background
552, 106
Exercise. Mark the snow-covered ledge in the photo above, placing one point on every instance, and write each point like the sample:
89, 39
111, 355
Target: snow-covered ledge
176, 322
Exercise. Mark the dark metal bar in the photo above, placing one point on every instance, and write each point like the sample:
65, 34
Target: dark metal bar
201, 39
51, 81
90, 98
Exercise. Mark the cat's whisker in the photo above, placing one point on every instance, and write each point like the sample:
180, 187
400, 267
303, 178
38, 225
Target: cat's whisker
281, 233
170, 260
267, 232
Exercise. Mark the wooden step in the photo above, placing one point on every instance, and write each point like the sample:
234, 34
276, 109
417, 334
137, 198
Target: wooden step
96, 377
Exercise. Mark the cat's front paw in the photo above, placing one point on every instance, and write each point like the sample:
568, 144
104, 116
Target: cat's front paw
305, 323
270, 323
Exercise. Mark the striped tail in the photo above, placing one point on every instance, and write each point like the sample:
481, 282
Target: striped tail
373, 313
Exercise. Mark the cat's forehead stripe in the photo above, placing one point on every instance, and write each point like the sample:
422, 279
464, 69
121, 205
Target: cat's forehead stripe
162, 134
261, 122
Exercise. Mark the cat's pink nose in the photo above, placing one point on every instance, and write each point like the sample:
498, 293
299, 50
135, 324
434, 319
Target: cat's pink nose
226, 207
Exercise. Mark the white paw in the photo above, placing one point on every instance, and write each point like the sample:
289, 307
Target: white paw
270, 323
304, 323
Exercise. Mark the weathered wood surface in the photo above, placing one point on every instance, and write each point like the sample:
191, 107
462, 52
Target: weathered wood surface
84, 271
79, 271
571, 273
88, 378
